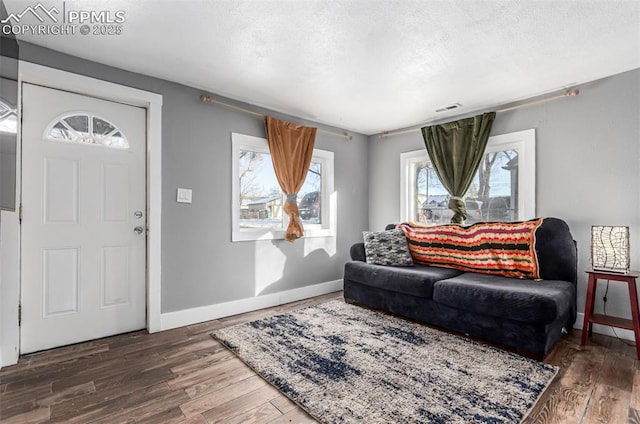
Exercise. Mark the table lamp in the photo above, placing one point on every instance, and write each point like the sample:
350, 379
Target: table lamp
610, 249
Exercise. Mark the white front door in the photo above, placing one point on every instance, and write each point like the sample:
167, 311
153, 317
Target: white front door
83, 218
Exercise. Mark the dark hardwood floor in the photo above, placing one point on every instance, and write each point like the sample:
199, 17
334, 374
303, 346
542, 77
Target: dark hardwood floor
185, 376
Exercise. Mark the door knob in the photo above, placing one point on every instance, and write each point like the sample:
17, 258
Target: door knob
138, 214
138, 230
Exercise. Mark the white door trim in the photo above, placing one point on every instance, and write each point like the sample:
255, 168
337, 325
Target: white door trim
9, 226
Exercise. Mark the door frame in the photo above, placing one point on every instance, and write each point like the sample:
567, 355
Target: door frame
10, 243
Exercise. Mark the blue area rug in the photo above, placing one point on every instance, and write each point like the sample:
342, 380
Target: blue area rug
347, 364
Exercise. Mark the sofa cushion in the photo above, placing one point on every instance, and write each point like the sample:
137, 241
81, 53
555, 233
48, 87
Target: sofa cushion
387, 248
416, 281
538, 302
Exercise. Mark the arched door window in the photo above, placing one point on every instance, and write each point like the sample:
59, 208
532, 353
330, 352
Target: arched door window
85, 128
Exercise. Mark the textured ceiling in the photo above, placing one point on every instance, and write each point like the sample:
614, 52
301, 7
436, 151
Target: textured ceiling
366, 66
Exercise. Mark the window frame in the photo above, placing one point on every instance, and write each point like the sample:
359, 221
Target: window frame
523, 141
327, 200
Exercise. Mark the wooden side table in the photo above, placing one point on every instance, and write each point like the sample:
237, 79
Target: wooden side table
590, 318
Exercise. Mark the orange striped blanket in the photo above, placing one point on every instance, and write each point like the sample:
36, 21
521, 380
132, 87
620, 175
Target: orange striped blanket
502, 248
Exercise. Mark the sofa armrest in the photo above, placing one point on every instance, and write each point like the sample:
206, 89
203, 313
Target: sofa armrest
557, 251
357, 252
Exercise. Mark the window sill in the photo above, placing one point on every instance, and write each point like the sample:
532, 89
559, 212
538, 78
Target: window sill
253, 235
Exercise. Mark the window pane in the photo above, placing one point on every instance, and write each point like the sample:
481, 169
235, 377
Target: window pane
495, 186
8, 119
80, 123
116, 140
431, 196
4, 108
261, 199
101, 127
310, 195
61, 132
492, 196
9, 124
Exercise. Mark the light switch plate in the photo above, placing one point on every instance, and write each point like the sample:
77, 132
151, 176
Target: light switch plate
184, 195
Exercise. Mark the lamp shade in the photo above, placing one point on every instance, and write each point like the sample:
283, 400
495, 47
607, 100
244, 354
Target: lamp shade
610, 248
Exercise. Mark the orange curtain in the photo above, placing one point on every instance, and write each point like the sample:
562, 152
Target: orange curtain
291, 148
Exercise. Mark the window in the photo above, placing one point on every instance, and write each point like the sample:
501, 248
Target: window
503, 189
86, 129
258, 201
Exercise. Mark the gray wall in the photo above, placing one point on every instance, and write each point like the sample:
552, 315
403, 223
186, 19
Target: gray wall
200, 265
588, 157
587, 167
7, 173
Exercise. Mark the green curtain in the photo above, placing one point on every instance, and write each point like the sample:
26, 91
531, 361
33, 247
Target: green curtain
456, 149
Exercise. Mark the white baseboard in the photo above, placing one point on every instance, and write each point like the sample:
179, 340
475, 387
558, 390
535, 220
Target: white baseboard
605, 330
185, 317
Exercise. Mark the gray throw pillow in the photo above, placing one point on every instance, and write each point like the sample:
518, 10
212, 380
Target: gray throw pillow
387, 248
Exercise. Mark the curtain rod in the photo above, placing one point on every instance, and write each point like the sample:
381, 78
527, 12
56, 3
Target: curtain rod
567, 93
208, 99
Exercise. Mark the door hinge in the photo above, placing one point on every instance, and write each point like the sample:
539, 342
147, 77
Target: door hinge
19, 314
20, 213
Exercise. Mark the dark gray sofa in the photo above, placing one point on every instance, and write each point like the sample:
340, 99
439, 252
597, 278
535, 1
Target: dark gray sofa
523, 315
